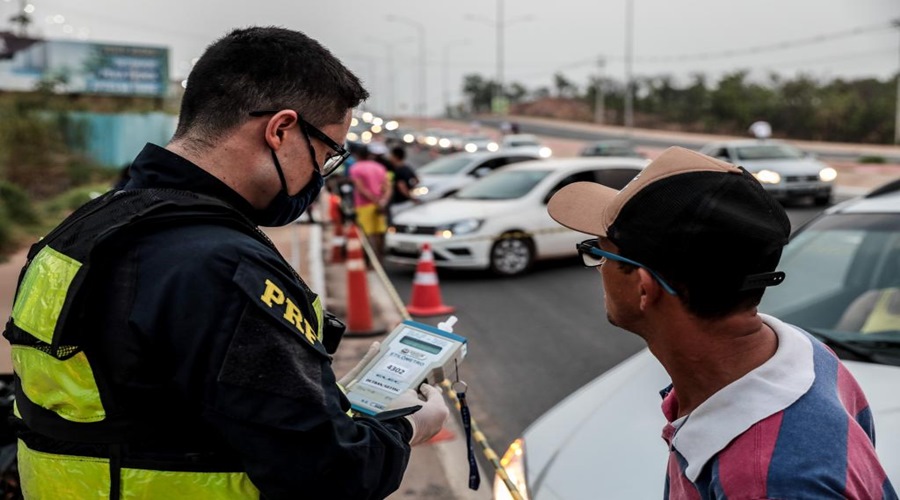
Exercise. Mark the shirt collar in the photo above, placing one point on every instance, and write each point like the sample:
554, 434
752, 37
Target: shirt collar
761, 393
157, 167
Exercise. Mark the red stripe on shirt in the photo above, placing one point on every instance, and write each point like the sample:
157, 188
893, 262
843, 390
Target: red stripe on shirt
744, 464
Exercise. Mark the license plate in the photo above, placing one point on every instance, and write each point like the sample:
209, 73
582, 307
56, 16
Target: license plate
407, 246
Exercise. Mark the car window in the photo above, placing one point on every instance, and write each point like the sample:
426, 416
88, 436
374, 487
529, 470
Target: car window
843, 280
615, 178
768, 152
503, 185
587, 176
445, 166
719, 153
518, 144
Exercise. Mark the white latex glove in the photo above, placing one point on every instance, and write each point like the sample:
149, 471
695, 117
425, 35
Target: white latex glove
352, 374
430, 418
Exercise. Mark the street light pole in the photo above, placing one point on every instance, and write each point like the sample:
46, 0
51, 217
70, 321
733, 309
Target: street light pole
498, 92
446, 66
629, 85
896, 23
422, 92
499, 24
392, 77
599, 104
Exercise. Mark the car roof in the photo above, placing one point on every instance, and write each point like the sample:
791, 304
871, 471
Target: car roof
580, 162
738, 143
486, 155
885, 199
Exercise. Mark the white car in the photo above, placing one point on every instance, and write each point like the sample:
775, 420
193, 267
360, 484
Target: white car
525, 142
785, 171
475, 143
500, 222
446, 175
605, 437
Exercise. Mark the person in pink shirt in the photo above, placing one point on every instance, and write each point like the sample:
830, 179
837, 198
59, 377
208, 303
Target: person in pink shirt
371, 195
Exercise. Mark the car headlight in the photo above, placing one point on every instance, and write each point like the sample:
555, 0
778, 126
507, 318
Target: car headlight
431, 141
471, 148
513, 462
828, 174
464, 226
493, 147
444, 142
420, 191
409, 138
767, 177
545, 152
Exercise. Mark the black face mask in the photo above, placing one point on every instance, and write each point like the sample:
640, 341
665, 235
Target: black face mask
284, 209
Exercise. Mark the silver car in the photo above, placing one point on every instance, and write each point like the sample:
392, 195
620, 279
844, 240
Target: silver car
785, 171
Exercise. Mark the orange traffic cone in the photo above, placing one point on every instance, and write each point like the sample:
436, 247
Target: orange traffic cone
426, 294
359, 310
337, 238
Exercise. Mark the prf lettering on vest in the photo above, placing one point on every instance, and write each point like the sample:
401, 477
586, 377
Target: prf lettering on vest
273, 296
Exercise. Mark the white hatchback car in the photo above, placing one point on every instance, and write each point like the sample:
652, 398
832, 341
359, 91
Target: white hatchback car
446, 175
785, 171
525, 142
841, 268
500, 222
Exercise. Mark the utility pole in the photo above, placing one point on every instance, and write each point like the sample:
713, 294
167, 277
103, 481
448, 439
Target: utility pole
446, 71
500, 23
629, 84
599, 97
22, 18
896, 23
423, 98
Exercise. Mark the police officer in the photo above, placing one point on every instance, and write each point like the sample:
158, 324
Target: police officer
162, 346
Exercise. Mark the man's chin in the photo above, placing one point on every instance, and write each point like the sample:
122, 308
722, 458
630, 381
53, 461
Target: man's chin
612, 321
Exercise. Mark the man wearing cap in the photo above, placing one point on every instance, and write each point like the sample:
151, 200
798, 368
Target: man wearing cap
757, 407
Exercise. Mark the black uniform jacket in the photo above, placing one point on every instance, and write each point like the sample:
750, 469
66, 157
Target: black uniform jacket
208, 330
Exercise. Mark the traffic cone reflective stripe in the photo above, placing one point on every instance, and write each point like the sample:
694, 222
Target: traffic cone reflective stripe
359, 309
337, 238
426, 294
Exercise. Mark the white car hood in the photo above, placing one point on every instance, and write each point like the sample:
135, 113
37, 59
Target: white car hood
448, 210
804, 166
606, 437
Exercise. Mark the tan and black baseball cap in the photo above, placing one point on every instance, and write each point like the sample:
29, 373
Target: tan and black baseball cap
688, 216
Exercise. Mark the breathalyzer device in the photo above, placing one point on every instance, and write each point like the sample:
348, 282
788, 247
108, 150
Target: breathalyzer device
413, 353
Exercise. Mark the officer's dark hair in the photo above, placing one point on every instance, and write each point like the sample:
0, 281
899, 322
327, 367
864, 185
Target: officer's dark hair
264, 68
399, 153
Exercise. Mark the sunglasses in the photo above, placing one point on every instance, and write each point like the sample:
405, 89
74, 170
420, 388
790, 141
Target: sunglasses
335, 160
593, 256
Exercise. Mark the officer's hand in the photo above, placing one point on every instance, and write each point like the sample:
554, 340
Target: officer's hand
352, 374
427, 421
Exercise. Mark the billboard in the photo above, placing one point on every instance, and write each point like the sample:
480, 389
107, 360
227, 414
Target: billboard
83, 67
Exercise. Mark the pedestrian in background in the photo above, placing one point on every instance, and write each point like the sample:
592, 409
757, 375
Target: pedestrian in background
757, 407
371, 196
162, 346
404, 179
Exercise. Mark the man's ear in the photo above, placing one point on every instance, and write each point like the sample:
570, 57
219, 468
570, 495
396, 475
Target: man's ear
277, 125
650, 289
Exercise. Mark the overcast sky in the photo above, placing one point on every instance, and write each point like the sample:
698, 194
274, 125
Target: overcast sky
555, 35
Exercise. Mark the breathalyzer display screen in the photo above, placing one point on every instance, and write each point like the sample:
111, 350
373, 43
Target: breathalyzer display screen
418, 344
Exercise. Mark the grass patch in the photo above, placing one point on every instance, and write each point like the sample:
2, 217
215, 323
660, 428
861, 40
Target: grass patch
872, 159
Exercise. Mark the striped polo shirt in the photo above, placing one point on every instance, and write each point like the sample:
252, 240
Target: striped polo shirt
797, 426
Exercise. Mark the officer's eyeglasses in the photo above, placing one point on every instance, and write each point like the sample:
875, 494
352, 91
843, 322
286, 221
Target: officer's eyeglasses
593, 256
339, 153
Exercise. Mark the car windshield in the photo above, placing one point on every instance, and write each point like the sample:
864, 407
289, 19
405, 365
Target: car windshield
504, 185
768, 152
518, 144
843, 285
448, 165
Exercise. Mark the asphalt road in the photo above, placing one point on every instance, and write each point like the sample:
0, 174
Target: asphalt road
533, 339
